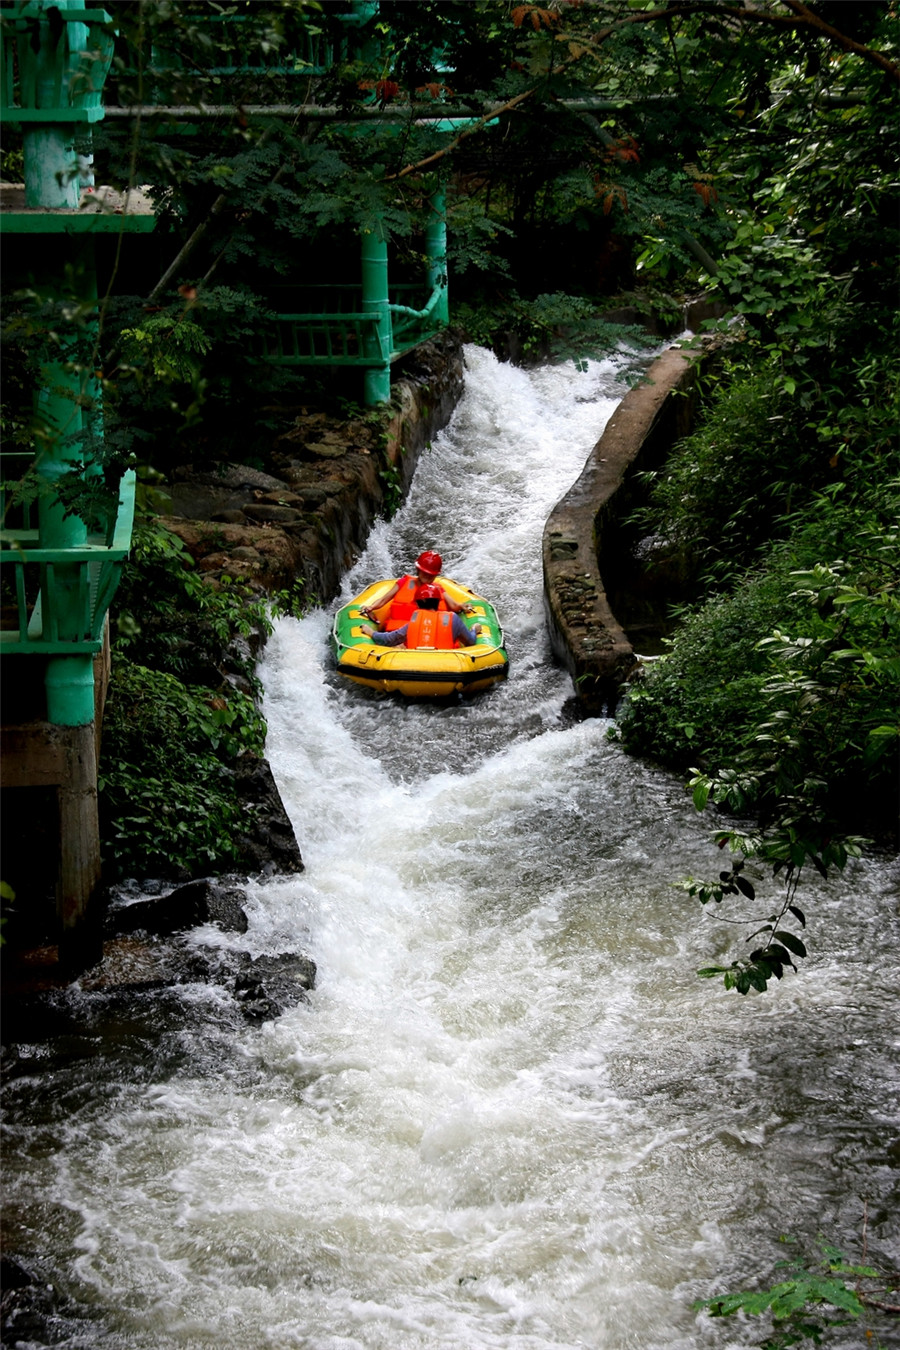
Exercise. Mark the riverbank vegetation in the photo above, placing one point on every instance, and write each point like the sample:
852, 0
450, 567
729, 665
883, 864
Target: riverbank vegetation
184, 707
780, 692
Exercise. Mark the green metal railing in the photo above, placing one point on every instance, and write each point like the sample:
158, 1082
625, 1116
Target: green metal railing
322, 337
334, 328
237, 49
55, 600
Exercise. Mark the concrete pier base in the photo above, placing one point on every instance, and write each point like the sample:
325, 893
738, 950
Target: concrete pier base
44, 755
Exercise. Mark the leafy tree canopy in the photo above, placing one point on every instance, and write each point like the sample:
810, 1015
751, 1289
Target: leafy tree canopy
584, 148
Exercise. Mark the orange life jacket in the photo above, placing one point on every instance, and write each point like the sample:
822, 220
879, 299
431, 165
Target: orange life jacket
404, 603
430, 628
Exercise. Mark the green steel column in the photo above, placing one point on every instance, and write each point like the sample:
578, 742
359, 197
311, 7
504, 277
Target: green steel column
69, 685
61, 420
69, 680
51, 162
436, 253
51, 167
377, 379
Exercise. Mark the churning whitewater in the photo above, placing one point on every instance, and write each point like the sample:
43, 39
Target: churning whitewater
510, 1117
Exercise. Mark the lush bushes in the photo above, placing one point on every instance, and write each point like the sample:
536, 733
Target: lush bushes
167, 795
780, 694
743, 472
789, 506
180, 713
797, 671
697, 704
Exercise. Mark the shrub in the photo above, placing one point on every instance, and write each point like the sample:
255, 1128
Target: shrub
794, 675
169, 618
725, 488
167, 797
698, 704
174, 723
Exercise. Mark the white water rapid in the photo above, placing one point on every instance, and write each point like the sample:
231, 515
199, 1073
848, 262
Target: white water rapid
510, 1117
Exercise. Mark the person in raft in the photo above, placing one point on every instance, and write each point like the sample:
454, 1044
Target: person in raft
428, 626
405, 590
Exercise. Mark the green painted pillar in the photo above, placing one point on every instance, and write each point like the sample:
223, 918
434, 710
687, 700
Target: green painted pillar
67, 403
51, 167
51, 161
69, 685
436, 253
377, 379
63, 418
69, 680
60, 417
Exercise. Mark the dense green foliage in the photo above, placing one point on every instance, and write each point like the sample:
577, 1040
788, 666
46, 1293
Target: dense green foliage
782, 687
781, 690
176, 721
553, 327
167, 800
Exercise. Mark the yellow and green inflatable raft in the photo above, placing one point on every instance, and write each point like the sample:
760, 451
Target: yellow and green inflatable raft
419, 672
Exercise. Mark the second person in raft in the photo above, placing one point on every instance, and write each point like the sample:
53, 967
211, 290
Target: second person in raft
405, 589
428, 627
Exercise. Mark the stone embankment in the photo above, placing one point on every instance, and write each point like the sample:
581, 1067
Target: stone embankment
586, 542
302, 520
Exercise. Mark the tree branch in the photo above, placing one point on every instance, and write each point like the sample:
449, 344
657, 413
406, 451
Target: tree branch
174, 267
801, 18
597, 40
805, 18
468, 131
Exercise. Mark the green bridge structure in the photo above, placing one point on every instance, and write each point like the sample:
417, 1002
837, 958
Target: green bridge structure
58, 575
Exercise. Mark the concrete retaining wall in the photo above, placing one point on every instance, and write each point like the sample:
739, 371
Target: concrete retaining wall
587, 637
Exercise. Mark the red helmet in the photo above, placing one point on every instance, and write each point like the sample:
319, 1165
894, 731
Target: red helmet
429, 563
427, 592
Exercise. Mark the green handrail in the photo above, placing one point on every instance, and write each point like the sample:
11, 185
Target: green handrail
349, 337
40, 602
52, 82
428, 308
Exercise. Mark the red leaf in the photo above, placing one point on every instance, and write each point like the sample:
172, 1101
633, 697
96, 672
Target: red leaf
625, 150
535, 14
435, 90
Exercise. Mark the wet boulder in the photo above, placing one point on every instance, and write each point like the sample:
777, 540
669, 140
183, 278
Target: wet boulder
268, 986
268, 844
207, 900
